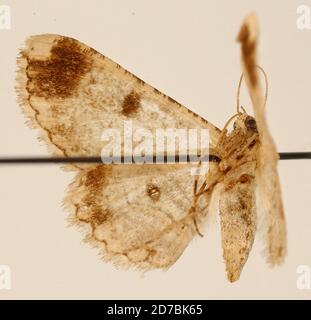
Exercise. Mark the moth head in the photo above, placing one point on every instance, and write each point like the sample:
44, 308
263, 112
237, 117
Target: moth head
246, 123
250, 124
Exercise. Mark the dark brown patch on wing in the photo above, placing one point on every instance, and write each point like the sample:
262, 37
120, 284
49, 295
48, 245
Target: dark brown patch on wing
95, 177
94, 182
99, 216
131, 104
153, 191
59, 75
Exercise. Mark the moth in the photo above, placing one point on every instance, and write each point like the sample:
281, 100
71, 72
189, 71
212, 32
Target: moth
144, 216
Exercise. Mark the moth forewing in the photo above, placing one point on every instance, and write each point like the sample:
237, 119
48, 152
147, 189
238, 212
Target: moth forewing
269, 190
72, 93
237, 208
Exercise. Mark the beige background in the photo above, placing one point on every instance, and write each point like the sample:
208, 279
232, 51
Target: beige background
187, 50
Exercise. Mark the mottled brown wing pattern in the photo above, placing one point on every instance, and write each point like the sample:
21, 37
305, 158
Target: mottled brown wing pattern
269, 190
146, 215
142, 215
139, 216
235, 191
237, 208
71, 93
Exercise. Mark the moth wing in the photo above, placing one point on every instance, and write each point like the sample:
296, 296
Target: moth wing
137, 215
140, 215
271, 206
269, 190
72, 93
237, 208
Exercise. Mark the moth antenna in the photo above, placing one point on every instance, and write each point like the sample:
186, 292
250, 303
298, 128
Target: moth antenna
223, 132
238, 106
230, 119
238, 94
244, 111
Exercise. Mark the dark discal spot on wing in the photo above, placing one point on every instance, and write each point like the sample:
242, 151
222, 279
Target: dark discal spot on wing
248, 52
131, 104
153, 191
59, 75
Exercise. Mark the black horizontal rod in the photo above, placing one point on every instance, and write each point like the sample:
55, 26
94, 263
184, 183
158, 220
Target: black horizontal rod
124, 160
294, 155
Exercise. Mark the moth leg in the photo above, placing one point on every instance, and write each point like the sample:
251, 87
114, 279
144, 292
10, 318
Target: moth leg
196, 180
192, 210
197, 228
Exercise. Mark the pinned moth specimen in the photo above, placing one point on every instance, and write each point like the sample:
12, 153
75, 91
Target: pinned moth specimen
144, 216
